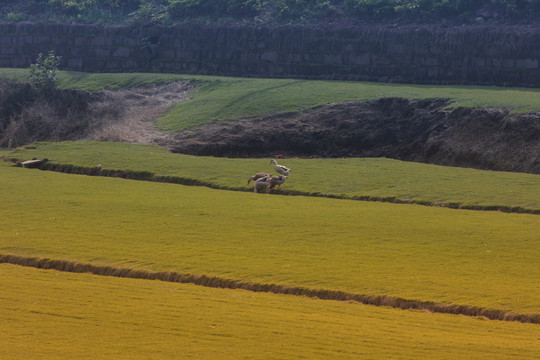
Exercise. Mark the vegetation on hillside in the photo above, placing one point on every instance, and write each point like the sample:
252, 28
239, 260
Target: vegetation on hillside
272, 11
82, 109
43, 72
219, 98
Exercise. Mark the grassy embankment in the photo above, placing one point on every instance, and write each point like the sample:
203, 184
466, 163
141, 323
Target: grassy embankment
234, 98
110, 318
376, 179
485, 259
222, 98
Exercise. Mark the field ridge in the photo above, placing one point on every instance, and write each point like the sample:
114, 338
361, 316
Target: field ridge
150, 176
217, 282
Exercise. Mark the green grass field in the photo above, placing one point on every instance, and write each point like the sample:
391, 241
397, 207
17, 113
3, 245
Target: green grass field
53, 315
99, 81
222, 98
376, 178
226, 99
486, 259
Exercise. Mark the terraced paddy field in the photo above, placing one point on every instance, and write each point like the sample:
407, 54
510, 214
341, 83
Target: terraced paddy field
474, 258
222, 98
57, 315
367, 178
321, 244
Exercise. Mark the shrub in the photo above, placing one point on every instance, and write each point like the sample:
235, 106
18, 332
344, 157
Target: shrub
244, 8
43, 72
371, 8
94, 11
179, 9
271, 11
15, 17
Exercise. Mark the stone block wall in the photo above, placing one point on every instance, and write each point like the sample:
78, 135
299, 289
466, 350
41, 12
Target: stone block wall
508, 56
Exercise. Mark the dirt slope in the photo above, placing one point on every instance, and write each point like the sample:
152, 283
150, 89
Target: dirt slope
28, 115
396, 128
421, 131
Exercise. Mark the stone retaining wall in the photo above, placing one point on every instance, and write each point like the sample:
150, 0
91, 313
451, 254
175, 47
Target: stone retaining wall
508, 56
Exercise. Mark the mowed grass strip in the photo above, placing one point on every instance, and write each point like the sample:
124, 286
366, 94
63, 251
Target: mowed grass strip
484, 259
368, 178
228, 98
53, 315
233, 98
100, 81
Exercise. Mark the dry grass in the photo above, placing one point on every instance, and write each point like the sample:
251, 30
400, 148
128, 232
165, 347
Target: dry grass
66, 114
30, 114
140, 108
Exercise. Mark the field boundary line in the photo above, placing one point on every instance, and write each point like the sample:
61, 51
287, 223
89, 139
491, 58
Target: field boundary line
217, 282
150, 176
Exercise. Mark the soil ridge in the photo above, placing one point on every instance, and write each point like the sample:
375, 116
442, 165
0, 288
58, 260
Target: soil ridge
150, 176
217, 282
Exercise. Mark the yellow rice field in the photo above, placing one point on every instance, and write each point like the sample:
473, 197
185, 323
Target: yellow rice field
53, 315
487, 259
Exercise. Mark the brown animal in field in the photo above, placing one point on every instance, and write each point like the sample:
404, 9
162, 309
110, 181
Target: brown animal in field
261, 183
276, 181
258, 176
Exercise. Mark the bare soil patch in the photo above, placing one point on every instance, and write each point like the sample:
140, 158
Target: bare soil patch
28, 115
421, 131
140, 109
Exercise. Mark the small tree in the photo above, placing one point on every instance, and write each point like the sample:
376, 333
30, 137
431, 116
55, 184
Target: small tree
43, 72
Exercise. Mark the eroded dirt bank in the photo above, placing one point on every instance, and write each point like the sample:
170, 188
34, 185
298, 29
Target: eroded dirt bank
28, 115
419, 131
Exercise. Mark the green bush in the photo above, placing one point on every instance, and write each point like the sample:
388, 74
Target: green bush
246, 8
180, 9
372, 9
444, 8
15, 17
94, 11
271, 11
43, 72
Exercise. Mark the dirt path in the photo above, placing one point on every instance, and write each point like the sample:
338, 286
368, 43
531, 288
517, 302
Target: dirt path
141, 107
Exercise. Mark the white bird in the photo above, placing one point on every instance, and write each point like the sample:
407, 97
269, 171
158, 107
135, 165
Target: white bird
280, 168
